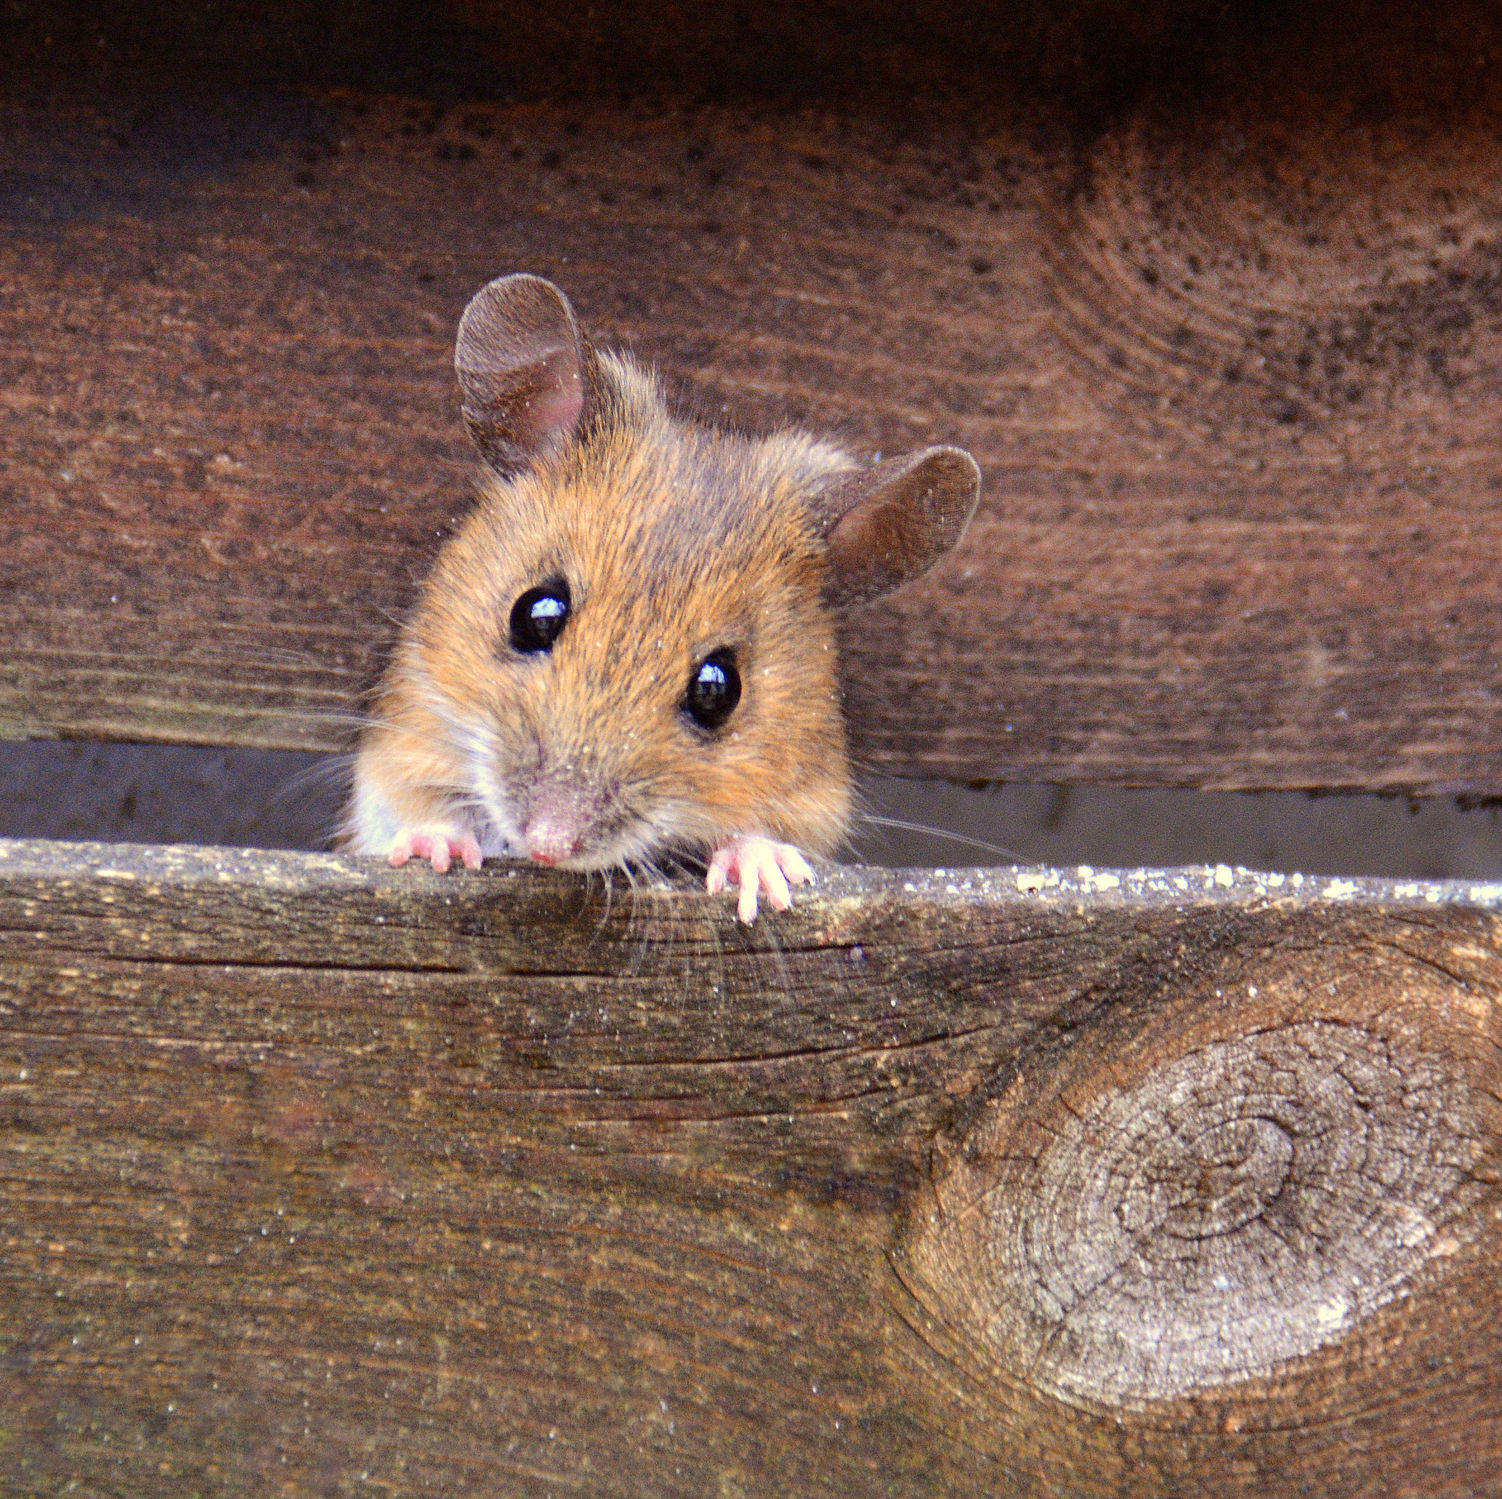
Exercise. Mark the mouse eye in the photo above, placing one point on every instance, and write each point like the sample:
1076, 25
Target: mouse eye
539, 615
714, 689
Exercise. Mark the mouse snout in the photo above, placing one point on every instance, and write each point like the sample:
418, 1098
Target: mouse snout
559, 817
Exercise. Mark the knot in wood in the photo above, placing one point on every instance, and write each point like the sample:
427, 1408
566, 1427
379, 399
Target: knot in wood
1242, 1203
1211, 1182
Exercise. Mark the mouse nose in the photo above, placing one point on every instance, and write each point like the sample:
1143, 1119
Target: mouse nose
547, 843
556, 822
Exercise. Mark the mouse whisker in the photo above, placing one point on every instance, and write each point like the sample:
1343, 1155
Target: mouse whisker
608, 886
663, 911
635, 930
935, 832
329, 769
461, 740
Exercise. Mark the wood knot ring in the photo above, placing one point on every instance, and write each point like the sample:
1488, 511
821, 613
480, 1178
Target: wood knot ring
1138, 1232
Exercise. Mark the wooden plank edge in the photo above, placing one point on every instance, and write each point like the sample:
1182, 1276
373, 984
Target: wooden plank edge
1080, 888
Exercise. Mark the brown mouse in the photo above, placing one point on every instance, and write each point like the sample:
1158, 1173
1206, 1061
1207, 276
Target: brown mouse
628, 650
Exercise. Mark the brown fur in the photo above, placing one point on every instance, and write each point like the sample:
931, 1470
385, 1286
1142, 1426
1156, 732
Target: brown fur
676, 540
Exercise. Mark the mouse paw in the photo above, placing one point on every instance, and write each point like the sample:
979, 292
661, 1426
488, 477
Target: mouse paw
757, 864
440, 845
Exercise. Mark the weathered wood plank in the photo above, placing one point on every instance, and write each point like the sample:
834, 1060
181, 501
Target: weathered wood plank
1229, 352
316, 1174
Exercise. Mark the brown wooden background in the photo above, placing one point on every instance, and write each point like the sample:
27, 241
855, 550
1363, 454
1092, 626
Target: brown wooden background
322, 1178
318, 1175
1211, 292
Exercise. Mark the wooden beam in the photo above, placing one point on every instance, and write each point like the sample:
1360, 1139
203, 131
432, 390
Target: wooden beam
315, 1173
1228, 350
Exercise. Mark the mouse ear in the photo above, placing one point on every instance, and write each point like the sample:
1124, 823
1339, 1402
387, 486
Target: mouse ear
520, 361
889, 523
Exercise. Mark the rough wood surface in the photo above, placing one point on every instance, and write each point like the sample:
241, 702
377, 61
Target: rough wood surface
316, 1176
1225, 336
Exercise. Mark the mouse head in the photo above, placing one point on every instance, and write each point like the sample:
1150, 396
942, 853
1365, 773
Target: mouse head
632, 638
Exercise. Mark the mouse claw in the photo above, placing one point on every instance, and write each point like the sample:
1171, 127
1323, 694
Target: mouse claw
440, 848
757, 864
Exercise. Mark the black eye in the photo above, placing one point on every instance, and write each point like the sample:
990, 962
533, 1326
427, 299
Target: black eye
539, 615
713, 690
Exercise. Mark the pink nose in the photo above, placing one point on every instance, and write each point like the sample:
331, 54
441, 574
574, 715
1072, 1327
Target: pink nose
550, 841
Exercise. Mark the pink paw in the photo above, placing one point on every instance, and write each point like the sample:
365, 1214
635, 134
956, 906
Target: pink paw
757, 864
440, 847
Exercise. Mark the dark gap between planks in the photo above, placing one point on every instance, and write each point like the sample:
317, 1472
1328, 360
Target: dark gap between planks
285, 799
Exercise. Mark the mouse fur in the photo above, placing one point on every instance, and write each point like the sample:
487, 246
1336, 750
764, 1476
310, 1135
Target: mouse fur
676, 540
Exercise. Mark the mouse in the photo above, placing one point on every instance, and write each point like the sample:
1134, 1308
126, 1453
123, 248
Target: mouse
626, 652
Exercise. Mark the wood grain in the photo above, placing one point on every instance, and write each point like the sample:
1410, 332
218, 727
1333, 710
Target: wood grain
316, 1175
1225, 338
